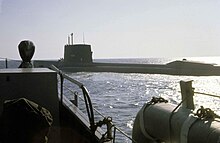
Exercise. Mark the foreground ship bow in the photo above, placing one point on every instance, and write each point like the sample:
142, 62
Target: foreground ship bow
40, 85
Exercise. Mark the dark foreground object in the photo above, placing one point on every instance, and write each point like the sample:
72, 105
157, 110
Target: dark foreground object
39, 85
24, 121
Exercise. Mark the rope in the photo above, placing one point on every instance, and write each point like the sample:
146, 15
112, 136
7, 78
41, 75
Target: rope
155, 100
122, 132
212, 95
206, 113
208, 94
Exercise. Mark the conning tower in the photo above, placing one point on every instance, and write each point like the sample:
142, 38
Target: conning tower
77, 53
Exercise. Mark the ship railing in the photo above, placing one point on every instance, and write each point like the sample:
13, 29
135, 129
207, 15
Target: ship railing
9, 63
111, 127
6, 61
115, 128
86, 96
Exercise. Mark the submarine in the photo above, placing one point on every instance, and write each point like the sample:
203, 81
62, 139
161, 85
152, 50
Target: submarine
178, 123
78, 58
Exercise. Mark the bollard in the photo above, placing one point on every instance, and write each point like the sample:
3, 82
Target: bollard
187, 93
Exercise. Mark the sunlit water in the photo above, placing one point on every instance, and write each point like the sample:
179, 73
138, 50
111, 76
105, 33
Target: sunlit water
121, 95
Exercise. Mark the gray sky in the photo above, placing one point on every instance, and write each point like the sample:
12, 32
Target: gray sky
114, 28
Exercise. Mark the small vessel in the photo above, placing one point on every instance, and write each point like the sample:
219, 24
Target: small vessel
41, 86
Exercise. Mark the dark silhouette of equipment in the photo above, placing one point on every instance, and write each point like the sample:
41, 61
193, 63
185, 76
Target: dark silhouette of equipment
24, 121
26, 50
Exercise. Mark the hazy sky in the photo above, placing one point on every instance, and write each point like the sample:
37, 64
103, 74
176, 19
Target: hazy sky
114, 28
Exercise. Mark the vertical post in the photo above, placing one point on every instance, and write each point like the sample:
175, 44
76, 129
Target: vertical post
68, 41
187, 94
71, 38
109, 128
61, 88
83, 39
76, 100
6, 63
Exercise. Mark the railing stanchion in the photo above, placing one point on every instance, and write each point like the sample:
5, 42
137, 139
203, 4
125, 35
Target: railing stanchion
6, 63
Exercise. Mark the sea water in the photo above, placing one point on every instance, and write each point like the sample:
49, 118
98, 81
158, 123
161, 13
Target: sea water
121, 95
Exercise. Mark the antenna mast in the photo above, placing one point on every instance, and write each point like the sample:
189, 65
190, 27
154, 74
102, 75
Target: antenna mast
71, 38
83, 39
68, 40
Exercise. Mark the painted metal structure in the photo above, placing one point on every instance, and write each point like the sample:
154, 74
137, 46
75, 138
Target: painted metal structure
159, 121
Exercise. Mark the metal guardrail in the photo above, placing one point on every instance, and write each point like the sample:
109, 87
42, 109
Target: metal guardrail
6, 62
90, 108
87, 99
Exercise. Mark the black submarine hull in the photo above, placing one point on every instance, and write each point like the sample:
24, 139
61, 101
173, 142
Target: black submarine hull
78, 58
173, 68
145, 69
